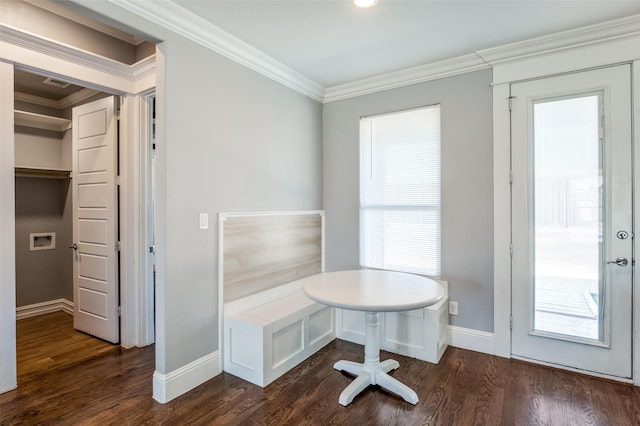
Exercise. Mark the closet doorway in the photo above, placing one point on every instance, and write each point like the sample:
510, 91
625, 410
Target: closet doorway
108, 60
46, 203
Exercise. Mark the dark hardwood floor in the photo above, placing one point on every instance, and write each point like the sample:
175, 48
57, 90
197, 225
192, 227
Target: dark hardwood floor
49, 341
465, 388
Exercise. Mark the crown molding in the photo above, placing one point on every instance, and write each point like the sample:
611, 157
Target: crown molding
144, 68
594, 34
433, 71
179, 20
583, 36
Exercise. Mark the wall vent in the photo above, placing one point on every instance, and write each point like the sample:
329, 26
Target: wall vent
57, 83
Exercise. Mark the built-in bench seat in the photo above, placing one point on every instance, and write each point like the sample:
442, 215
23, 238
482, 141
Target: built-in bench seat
267, 334
269, 325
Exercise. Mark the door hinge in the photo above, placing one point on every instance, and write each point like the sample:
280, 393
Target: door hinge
511, 322
152, 249
510, 176
118, 245
510, 99
116, 106
511, 249
119, 311
117, 180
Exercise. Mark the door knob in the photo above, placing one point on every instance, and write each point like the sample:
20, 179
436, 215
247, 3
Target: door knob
621, 261
74, 246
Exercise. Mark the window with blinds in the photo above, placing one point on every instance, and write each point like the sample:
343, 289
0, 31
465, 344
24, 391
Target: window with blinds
400, 191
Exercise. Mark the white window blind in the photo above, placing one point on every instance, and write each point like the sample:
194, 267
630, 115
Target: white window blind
400, 191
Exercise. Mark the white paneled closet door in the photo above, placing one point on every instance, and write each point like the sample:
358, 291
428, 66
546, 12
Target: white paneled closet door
95, 207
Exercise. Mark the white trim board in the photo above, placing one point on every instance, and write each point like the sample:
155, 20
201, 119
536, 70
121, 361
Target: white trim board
171, 385
636, 242
44, 308
473, 340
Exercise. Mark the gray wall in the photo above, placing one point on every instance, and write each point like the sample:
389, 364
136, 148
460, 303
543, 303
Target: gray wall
234, 141
467, 184
41, 206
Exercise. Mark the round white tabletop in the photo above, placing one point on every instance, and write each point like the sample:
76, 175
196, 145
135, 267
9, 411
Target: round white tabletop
373, 290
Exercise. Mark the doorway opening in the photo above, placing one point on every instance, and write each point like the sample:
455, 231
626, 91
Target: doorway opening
45, 299
129, 77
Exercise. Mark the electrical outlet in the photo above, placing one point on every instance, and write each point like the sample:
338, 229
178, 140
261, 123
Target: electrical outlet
453, 308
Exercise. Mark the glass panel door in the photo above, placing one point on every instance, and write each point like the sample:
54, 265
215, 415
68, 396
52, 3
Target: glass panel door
572, 221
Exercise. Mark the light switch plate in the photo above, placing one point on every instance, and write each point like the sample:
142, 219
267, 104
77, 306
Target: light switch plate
204, 220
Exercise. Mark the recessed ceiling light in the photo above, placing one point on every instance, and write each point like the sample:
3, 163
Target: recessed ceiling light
365, 3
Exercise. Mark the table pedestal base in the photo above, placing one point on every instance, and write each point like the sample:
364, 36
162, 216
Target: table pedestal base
378, 376
372, 371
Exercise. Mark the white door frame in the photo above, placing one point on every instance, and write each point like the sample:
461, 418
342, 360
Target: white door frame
33, 53
581, 57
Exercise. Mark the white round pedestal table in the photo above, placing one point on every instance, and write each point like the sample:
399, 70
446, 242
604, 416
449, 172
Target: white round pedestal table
373, 291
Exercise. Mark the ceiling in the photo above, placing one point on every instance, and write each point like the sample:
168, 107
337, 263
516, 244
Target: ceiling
332, 42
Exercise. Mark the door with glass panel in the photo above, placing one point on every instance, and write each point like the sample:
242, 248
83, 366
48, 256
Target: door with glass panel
572, 221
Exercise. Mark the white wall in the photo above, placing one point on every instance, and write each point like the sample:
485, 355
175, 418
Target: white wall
467, 184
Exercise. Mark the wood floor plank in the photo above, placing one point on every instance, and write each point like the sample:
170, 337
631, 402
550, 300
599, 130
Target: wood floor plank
466, 388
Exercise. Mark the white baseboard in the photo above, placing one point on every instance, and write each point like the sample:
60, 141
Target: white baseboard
473, 340
171, 385
43, 308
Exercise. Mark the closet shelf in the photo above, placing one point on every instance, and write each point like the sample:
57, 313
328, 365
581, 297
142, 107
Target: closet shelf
40, 121
42, 173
